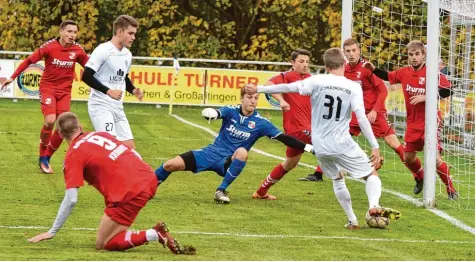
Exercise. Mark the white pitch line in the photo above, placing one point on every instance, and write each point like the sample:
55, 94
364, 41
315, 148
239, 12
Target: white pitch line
226, 234
408, 198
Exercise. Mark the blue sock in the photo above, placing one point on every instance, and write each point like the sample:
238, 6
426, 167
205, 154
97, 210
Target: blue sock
161, 174
232, 173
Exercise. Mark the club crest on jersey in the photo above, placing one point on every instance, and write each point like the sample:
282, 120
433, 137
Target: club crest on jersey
72, 55
358, 74
251, 124
421, 80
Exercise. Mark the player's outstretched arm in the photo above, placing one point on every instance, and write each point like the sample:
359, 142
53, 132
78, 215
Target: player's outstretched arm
382, 74
92, 81
33, 58
294, 143
69, 201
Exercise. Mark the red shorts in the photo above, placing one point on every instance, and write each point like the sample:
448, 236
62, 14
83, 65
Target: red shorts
126, 213
304, 136
54, 104
415, 139
381, 126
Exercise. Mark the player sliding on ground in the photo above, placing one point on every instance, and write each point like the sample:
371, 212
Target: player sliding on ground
333, 99
61, 55
241, 127
119, 174
413, 80
375, 92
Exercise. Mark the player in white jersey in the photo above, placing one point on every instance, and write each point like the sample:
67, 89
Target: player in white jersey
333, 99
107, 73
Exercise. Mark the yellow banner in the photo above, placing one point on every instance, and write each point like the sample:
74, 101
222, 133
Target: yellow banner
192, 86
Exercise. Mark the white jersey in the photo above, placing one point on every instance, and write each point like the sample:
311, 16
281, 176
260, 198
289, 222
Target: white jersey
333, 98
111, 66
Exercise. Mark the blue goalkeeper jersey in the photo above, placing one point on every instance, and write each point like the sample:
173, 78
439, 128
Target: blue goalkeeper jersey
238, 130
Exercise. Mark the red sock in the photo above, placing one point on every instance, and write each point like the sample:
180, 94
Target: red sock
45, 138
319, 170
444, 173
55, 143
276, 174
126, 240
416, 169
399, 152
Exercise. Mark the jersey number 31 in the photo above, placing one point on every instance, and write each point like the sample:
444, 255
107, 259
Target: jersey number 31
330, 104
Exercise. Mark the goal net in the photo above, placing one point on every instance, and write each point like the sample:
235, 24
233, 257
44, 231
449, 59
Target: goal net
384, 28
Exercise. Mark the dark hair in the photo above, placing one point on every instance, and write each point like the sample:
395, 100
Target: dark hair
122, 22
333, 58
65, 23
300, 51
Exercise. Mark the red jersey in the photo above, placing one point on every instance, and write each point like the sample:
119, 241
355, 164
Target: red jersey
374, 90
413, 84
298, 118
59, 65
114, 169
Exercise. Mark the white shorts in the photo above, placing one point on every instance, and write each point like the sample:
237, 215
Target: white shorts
353, 161
113, 121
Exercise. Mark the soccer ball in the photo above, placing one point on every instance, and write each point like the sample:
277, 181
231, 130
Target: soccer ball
376, 221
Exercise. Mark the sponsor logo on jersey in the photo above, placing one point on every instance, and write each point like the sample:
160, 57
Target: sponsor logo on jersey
251, 124
62, 64
29, 80
238, 133
118, 78
273, 102
415, 90
421, 80
72, 55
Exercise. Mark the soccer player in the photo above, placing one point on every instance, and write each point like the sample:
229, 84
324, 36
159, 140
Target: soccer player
107, 72
333, 99
241, 127
413, 81
61, 55
296, 121
119, 174
375, 92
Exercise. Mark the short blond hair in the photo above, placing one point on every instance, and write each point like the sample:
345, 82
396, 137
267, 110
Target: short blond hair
68, 125
124, 21
333, 58
415, 45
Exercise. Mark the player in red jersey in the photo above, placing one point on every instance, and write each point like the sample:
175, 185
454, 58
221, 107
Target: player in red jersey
119, 174
413, 80
375, 93
296, 120
61, 55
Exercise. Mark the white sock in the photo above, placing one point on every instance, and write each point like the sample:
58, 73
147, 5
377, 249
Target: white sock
373, 188
343, 196
151, 235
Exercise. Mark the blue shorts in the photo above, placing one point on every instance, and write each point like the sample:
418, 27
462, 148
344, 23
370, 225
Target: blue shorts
211, 159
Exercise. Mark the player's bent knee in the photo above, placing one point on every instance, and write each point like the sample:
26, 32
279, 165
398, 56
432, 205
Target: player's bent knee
241, 154
175, 164
50, 121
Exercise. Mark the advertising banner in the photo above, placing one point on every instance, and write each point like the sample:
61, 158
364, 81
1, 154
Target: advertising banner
7, 67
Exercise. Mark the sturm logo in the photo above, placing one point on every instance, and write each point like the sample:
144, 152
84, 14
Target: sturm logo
415, 90
238, 133
62, 64
273, 102
117, 78
29, 80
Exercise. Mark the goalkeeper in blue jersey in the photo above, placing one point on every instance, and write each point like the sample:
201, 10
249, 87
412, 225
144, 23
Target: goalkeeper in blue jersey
241, 127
